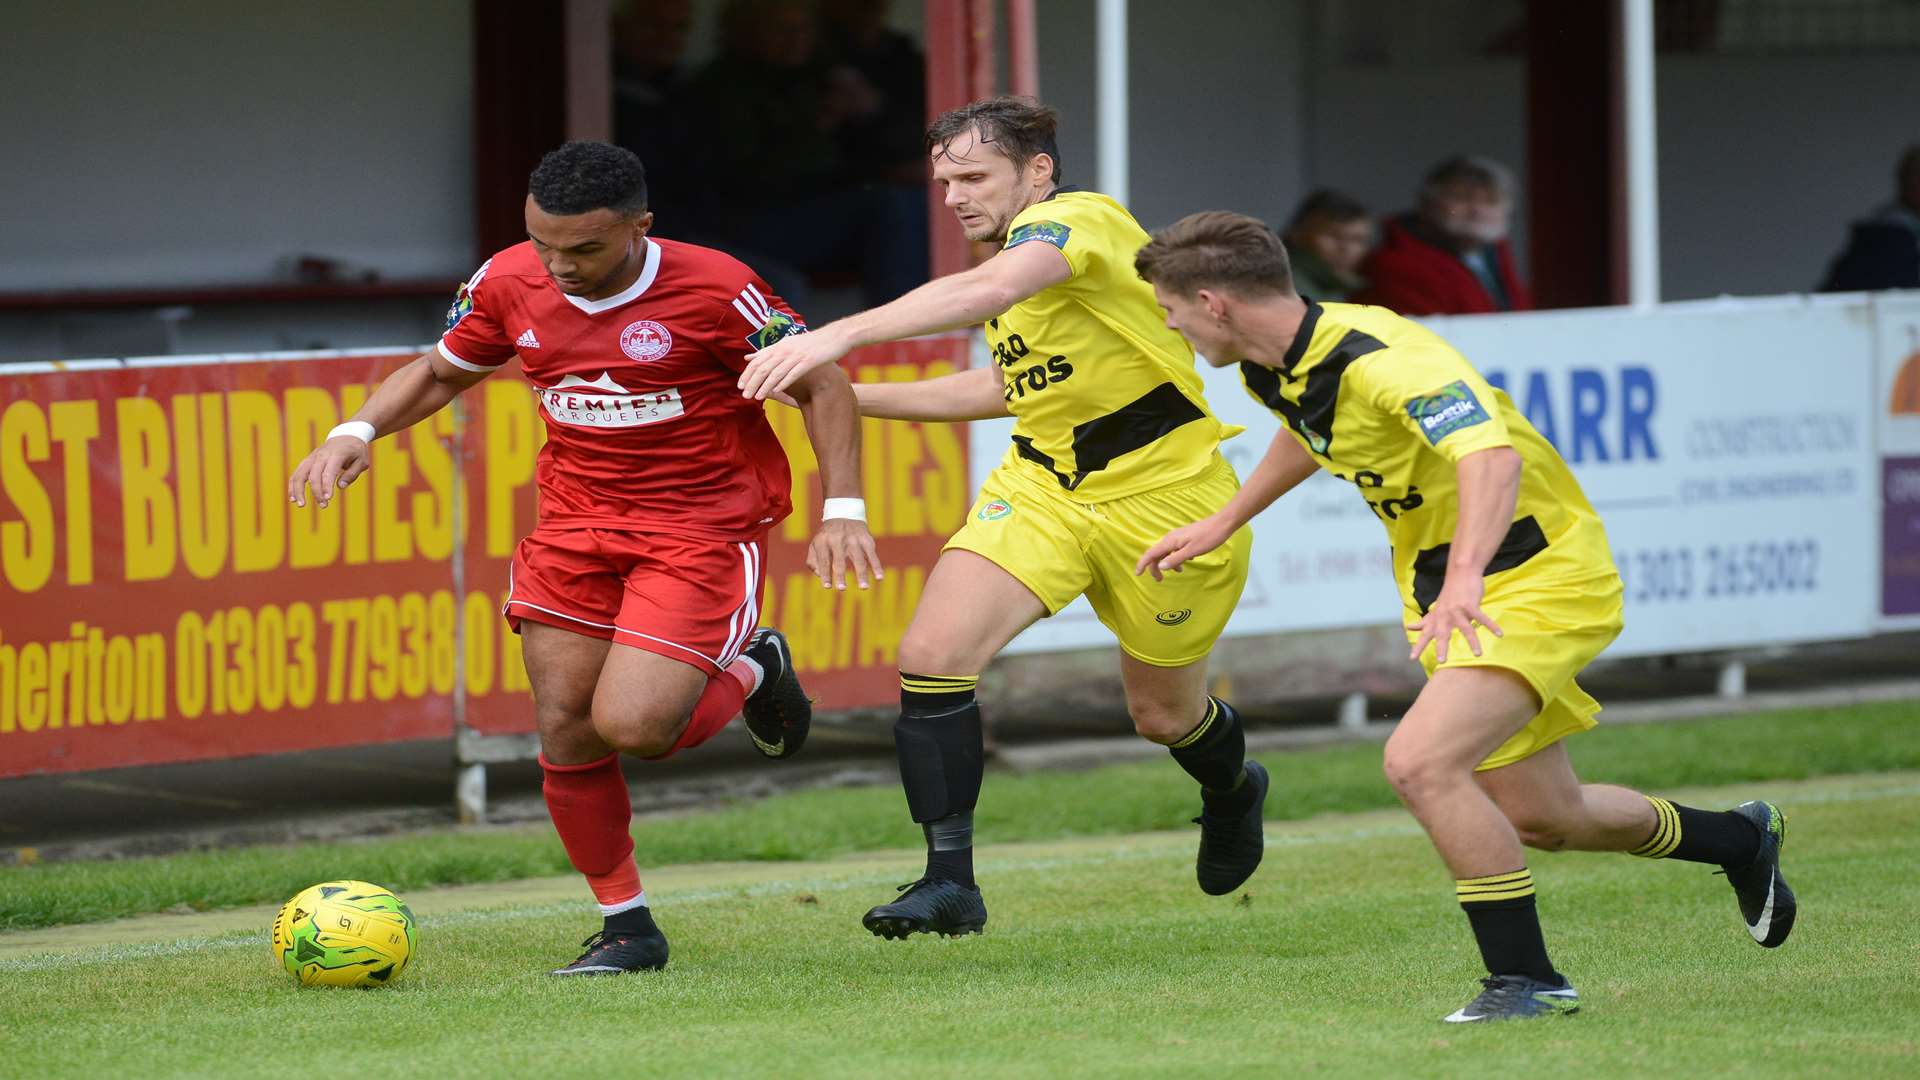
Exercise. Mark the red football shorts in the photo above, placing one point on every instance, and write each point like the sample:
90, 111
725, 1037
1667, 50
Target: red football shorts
692, 600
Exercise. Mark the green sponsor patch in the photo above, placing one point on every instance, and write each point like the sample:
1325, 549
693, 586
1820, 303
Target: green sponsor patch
1050, 232
779, 325
1446, 411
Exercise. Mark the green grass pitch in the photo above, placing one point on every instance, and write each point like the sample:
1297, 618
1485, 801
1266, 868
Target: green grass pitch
1102, 958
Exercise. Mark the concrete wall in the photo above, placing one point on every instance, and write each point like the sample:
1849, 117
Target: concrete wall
1765, 159
1217, 101
209, 142
1248, 105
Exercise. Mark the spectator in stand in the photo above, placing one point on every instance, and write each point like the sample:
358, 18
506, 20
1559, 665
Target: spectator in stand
1449, 256
770, 114
882, 143
1883, 251
1327, 241
649, 93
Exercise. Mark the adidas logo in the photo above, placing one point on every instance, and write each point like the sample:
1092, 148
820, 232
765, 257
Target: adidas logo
526, 340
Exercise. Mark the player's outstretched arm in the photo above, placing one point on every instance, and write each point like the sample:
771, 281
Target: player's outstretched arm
1489, 482
963, 299
975, 394
843, 544
418, 390
1285, 466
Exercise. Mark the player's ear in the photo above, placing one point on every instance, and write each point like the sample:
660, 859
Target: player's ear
642, 222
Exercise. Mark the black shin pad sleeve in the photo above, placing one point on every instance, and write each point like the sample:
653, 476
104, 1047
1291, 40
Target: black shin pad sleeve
941, 759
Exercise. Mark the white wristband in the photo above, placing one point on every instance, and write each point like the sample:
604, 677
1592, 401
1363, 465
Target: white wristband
359, 429
853, 509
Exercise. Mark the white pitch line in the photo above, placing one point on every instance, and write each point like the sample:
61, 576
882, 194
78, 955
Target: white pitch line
1137, 847
1178, 845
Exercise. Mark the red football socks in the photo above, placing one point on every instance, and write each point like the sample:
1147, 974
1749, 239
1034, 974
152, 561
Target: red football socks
592, 811
719, 703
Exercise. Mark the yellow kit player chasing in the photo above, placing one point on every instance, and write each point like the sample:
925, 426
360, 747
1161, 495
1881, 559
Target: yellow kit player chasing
1113, 445
1492, 540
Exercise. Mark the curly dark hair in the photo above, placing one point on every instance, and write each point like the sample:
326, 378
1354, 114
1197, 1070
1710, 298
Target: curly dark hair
582, 176
1021, 127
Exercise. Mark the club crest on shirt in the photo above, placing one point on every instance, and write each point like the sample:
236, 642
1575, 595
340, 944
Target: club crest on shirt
1048, 232
1446, 411
645, 341
779, 325
994, 510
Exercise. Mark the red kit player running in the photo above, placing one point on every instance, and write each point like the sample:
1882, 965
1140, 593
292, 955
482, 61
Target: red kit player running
637, 595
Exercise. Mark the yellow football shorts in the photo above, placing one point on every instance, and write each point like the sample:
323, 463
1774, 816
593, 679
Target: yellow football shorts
1060, 549
1552, 632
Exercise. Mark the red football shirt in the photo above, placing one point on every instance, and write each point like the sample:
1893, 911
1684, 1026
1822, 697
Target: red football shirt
646, 430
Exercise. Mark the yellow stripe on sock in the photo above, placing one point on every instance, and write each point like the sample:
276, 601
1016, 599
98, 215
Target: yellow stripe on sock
1666, 831
1522, 874
1475, 890
1513, 884
1206, 723
1488, 898
939, 684
1484, 890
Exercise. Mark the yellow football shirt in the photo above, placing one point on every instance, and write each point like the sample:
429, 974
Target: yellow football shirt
1105, 398
1387, 405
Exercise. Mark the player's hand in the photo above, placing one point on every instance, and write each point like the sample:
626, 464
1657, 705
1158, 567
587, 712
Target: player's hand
1183, 543
844, 545
782, 363
331, 468
1456, 609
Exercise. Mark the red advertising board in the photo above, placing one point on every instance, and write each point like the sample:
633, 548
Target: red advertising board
161, 601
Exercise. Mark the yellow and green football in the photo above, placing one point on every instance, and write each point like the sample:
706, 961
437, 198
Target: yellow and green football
344, 933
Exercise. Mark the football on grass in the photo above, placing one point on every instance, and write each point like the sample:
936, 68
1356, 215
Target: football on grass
344, 933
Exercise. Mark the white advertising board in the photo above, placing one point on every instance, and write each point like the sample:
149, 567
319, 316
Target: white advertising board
1727, 446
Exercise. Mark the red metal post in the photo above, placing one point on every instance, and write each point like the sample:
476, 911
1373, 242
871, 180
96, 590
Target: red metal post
1023, 49
1573, 155
960, 68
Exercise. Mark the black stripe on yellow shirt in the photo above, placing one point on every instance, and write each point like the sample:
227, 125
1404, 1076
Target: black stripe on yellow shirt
1137, 424
1312, 417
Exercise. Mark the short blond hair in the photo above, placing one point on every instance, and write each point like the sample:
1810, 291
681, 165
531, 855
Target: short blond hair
1216, 249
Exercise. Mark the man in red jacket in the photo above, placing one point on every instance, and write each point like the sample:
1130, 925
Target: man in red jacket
1449, 256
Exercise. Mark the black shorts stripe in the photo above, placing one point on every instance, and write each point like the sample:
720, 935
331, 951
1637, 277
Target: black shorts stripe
1523, 541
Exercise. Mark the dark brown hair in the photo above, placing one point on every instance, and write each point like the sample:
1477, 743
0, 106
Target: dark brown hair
1335, 206
1021, 127
1216, 249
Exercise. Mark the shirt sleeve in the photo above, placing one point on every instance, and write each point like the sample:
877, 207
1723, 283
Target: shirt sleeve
473, 339
755, 318
1436, 395
1071, 228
